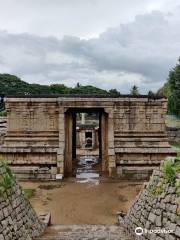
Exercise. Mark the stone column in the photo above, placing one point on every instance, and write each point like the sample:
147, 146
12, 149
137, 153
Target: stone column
68, 142
111, 150
60, 152
104, 142
83, 118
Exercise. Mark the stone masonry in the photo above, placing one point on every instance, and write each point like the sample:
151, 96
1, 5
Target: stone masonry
39, 139
152, 211
18, 221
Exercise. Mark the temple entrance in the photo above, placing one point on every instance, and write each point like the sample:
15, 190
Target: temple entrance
86, 145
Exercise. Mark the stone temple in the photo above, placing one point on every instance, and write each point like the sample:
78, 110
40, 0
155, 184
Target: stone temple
41, 134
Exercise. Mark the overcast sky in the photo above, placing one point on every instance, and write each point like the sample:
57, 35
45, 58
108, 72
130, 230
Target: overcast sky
106, 43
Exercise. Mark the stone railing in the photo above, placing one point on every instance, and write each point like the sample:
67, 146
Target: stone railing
18, 220
155, 214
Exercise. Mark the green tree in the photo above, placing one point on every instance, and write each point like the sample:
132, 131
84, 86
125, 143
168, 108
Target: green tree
165, 90
114, 92
174, 84
79, 89
78, 85
134, 91
152, 94
12, 85
59, 89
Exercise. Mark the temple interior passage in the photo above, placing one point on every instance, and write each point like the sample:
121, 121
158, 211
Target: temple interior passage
86, 146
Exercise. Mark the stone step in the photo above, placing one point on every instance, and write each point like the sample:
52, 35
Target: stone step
84, 232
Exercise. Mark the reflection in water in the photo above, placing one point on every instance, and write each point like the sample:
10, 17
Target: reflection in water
85, 170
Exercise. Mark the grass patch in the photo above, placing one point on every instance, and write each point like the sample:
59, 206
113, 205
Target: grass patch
177, 145
28, 192
157, 190
169, 171
6, 179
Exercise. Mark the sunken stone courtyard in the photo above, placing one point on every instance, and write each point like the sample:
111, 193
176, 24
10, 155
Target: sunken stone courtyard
88, 167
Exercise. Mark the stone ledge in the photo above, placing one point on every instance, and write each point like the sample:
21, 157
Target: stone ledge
28, 150
146, 150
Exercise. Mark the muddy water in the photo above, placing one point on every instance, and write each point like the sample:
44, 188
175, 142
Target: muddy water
71, 202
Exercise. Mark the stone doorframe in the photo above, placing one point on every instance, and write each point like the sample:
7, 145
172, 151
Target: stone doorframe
64, 153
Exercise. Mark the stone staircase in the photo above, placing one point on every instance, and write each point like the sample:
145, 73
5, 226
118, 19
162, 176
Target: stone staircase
84, 232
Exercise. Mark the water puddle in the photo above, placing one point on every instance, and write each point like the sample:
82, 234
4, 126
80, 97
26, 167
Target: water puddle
85, 172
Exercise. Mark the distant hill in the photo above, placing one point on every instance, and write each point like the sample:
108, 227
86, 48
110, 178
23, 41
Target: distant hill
12, 85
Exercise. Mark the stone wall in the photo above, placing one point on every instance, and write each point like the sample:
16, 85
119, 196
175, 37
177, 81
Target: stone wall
173, 134
140, 138
156, 207
39, 134
18, 221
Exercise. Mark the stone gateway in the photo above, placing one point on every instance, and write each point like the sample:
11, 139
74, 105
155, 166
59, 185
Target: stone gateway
40, 139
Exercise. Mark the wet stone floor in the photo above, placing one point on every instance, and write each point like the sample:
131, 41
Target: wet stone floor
86, 170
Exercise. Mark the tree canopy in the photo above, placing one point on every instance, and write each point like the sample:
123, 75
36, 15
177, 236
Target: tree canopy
12, 85
171, 90
174, 84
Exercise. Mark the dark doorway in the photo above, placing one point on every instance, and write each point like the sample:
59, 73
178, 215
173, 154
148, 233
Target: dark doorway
83, 137
86, 135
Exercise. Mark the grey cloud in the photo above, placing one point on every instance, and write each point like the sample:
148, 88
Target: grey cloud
83, 18
141, 52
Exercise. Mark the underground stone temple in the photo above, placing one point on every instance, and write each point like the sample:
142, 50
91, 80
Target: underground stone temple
41, 134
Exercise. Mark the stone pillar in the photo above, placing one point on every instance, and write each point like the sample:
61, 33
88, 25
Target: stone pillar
83, 118
111, 150
104, 142
68, 142
60, 152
